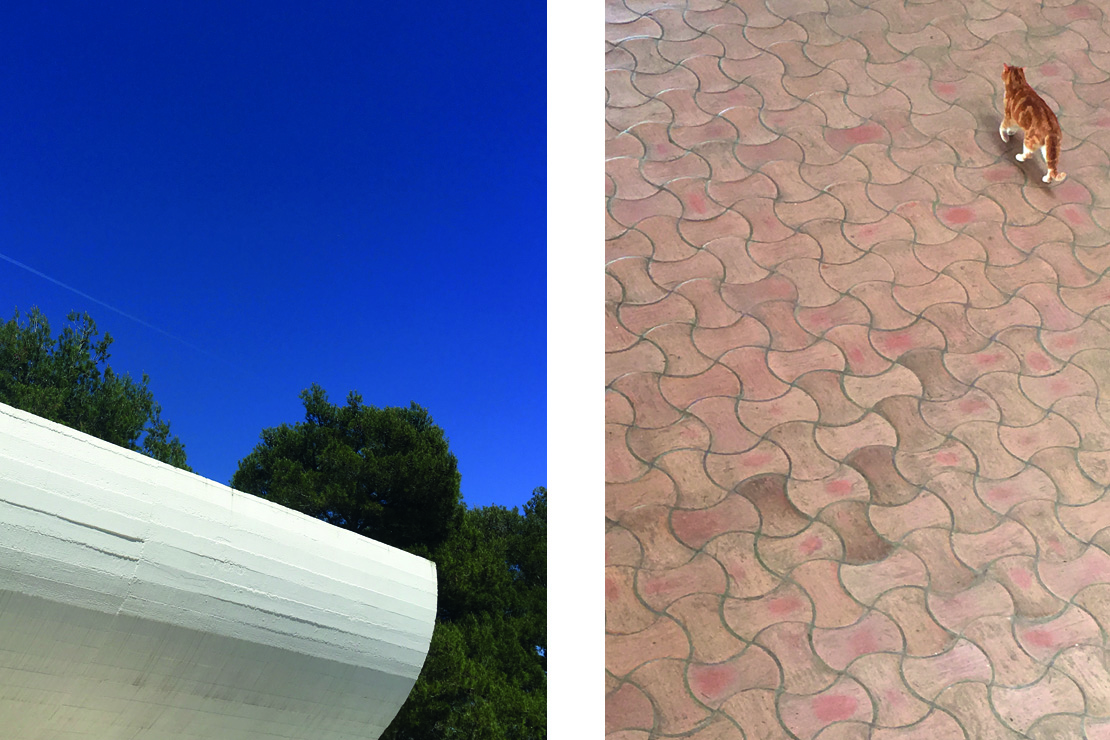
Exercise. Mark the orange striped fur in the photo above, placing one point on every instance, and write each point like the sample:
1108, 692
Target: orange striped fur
1026, 110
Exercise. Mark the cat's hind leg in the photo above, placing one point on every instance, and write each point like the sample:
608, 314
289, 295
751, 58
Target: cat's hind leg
1026, 152
1051, 153
1052, 175
1006, 128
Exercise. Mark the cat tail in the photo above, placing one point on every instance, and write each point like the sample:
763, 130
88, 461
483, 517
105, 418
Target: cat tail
1052, 157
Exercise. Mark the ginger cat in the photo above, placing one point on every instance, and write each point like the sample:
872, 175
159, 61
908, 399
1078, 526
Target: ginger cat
1026, 110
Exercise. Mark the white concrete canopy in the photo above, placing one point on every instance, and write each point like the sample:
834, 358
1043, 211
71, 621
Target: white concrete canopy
141, 602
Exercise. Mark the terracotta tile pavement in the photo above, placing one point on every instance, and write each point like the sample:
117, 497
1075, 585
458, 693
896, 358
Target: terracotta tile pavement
858, 371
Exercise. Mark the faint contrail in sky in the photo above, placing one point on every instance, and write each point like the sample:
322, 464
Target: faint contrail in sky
110, 307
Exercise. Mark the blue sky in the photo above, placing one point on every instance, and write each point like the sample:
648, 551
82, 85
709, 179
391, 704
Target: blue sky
351, 194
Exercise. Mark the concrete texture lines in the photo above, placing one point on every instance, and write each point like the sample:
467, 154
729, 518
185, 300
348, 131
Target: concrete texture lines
858, 437
138, 600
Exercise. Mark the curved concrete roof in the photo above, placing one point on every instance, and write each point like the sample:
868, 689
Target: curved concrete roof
139, 601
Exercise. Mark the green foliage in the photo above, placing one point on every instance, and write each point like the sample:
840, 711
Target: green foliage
486, 673
385, 473
467, 689
496, 563
62, 381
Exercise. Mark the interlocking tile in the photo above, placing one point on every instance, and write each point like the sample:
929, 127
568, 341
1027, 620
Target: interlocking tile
729, 471
694, 485
874, 633
676, 712
627, 709
806, 715
660, 589
857, 374
968, 702
712, 685
981, 549
963, 662
663, 639
748, 577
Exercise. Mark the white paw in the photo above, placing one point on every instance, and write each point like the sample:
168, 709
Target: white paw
1046, 178
1019, 157
1005, 136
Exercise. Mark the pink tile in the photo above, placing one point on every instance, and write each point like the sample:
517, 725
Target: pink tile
713, 684
654, 487
1004, 494
624, 613
1054, 693
648, 444
947, 574
802, 671
937, 725
755, 712
805, 716
752, 367
1044, 640
929, 676
693, 273
834, 407
1086, 665
628, 708
663, 682
924, 637
620, 464
710, 640
981, 548
783, 555
765, 459
924, 510
682, 392
833, 607
1013, 667
1018, 574
866, 583
694, 486
727, 435
895, 704
874, 633
714, 342
844, 483
854, 342
750, 617
663, 639
956, 611
1065, 579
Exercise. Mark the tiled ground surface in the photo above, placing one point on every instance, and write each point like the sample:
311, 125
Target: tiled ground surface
858, 373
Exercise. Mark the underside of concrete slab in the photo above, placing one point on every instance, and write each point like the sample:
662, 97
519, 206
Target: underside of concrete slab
142, 602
